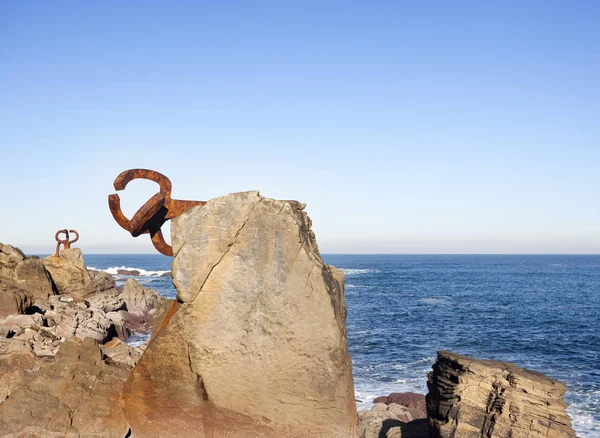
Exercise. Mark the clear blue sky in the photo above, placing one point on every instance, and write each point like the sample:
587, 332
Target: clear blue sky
406, 127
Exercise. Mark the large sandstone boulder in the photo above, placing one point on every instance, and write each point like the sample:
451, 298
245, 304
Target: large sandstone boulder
470, 398
13, 299
19, 272
69, 273
76, 396
139, 300
257, 346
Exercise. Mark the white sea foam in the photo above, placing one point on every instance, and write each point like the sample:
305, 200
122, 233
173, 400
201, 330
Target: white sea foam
143, 272
435, 300
138, 339
358, 286
359, 271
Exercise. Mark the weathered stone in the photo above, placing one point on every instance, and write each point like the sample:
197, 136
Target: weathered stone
100, 281
31, 275
258, 345
474, 398
107, 300
76, 396
69, 273
26, 273
119, 353
123, 331
21, 320
74, 319
14, 368
162, 311
13, 299
10, 257
139, 300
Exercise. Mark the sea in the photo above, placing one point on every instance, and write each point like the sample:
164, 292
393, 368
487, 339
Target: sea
541, 312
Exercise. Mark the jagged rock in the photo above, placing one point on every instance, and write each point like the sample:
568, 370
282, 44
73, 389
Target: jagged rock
471, 398
120, 323
10, 257
100, 281
13, 299
75, 396
27, 273
258, 345
69, 273
139, 300
119, 353
74, 319
107, 300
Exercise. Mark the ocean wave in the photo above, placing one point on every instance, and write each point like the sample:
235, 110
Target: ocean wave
358, 286
133, 272
348, 271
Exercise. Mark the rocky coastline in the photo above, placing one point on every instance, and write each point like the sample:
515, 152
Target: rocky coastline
253, 346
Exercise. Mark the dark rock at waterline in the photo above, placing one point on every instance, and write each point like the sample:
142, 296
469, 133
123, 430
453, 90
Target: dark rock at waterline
166, 274
132, 272
408, 399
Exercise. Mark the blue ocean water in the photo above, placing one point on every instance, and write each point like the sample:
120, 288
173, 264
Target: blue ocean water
540, 312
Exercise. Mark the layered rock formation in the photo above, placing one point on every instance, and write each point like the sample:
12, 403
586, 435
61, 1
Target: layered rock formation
470, 398
257, 346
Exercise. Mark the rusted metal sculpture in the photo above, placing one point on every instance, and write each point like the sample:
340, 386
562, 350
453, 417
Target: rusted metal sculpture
154, 213
65, 242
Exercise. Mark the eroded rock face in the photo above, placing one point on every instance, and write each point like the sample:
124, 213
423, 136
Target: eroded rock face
258, 345
120, 354
76, 396
69, 273
75, 319
13, 299
21, 273
472, 398
139, 300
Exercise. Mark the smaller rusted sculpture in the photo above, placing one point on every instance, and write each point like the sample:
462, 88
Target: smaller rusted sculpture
65, 242
154, 213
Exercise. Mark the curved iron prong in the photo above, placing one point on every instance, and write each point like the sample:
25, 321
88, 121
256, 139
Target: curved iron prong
128, 175
114, 203
160, 244
76, 236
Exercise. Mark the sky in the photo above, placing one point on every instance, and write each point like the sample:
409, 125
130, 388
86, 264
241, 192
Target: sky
406, 127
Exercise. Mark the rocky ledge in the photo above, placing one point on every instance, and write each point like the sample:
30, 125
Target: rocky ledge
44, 303
473, 398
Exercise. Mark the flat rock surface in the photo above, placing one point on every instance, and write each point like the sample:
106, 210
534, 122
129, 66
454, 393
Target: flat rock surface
471, 398
257, 346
